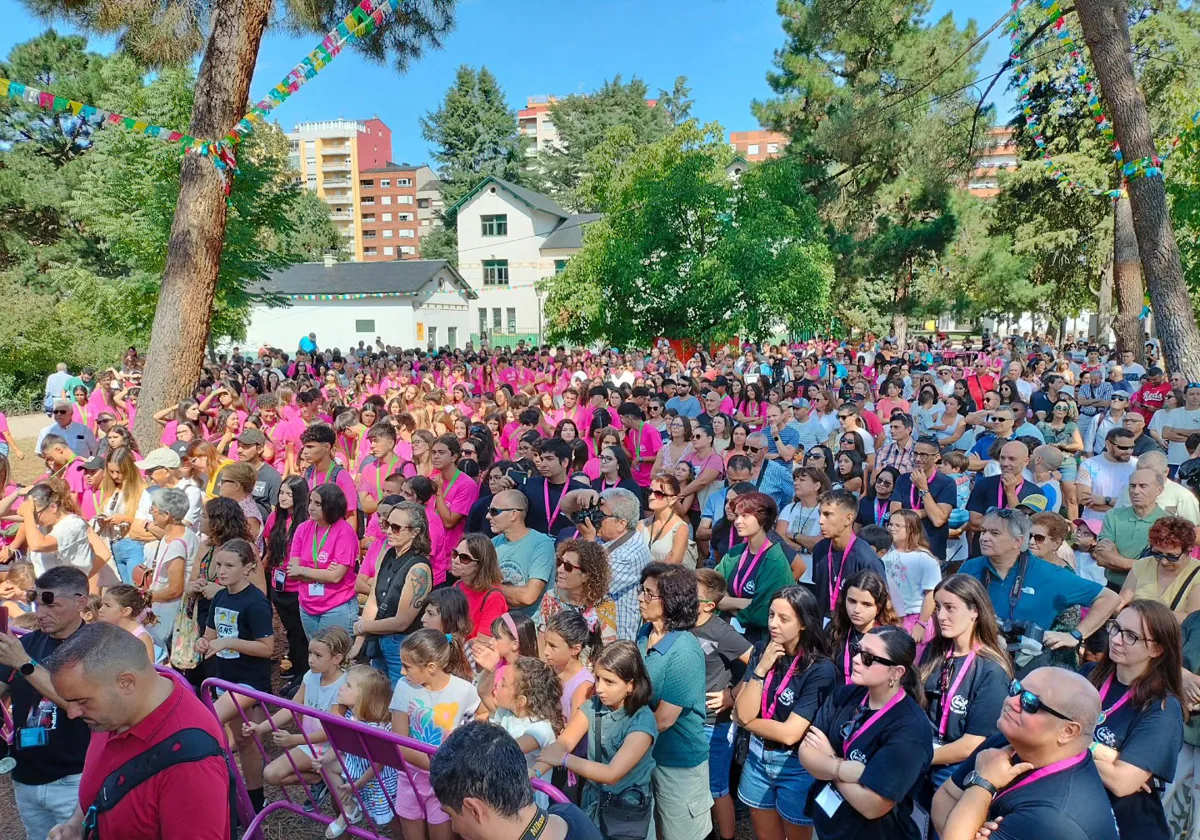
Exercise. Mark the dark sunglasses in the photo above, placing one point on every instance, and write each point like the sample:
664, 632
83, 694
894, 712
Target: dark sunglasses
868, 658
1163, 557
754, 450
569, 566
659, 494
494, 511
61, 411
1030, 703
1122, 448
1038, 538
46, 598
462, 557
396, 529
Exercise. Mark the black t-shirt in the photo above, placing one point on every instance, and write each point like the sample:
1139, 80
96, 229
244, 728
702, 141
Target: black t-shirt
579, 827
1068, 805
723, 649
842, 659
988, 493
389, 582
537, 517
944, 491
803, 695
1148, 738
246, 615
897, 752
861, 556
873, 511
977, 700
629, 484
67, 740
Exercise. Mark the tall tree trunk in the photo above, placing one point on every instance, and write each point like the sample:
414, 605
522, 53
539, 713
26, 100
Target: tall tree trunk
1127, 277
1106, 30
185, 302
900, 311
1104, 303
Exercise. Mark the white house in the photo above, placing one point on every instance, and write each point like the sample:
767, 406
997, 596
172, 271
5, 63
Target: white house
407, 303
509, 238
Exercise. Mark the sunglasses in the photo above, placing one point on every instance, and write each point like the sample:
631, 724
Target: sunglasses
845, 416
46, 598
569, 566
1038, 538
494, 511
396, 528
1163, 557
868, 658
462, 557
1031, 704
659, 494
61, 411
1123, 448
754, 450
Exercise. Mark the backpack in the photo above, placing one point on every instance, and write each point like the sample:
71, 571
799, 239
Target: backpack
185, 746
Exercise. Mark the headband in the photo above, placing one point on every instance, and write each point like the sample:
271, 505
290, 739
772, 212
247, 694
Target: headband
511, 625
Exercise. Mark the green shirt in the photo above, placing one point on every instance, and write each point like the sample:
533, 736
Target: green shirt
773, 573
616, 726
75, 382
676, 669
1130, 533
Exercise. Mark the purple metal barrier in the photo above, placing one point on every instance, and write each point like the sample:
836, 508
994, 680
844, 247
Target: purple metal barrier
345, 737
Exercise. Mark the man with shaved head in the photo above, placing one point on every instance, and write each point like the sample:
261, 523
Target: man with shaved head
526, 556
1125, 531
1005, 490
1035, 778
136, 715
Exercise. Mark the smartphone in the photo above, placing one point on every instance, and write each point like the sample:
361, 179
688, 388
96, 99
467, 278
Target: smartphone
519, 477
3, 620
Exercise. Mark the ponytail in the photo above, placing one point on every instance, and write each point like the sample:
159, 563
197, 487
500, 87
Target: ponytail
443, 649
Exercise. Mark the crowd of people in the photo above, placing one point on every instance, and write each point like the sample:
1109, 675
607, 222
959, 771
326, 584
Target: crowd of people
850, 589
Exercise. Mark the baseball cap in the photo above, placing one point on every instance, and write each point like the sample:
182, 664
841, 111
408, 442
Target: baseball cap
252, 437
1037, 503
167, 457
1082, 523
96, 462
180, 448
799, 402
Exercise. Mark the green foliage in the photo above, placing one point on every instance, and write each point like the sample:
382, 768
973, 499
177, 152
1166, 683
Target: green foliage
686, 252
473, 134
617, 119
440, 243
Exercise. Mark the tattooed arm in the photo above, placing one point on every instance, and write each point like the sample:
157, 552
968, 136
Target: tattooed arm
412, 600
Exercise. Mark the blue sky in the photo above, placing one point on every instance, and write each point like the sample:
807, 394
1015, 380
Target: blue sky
536, 47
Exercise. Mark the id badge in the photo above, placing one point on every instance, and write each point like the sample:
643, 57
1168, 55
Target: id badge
737, 625
279, 579
32, 736
829, 800
316, 590
825, 623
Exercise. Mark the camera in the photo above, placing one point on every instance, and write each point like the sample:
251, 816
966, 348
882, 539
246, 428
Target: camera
1022, 637
592, 515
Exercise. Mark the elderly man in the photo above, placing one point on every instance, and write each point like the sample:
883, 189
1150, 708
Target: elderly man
612, 523
1005, 490
1143, 442
1035, 777
1094, 396
1175, 499
1103, 478
144, 720
1125, 532
1114, 418
1027, 591
771, 477
78, 437
49, 745
999, 424
526, 556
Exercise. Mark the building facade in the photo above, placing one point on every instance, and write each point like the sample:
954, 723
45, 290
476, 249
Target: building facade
757, 145
534, 122
509, 239
1000, 154
388, 211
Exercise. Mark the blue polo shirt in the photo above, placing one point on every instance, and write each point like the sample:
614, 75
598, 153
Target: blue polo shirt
1046, 592
676, 669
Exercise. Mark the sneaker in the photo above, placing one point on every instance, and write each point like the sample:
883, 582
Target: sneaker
320, 793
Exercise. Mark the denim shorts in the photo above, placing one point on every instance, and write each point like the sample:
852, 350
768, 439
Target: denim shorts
721, 738
775, 780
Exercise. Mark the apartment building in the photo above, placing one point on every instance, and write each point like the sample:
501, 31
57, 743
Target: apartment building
330, 157
755, 146
1000, 154
388, 211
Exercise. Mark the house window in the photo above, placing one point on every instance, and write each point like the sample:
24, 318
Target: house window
423, 203
310, 148
495, 273
369, 252
387, 217
387, 234
404, 199
368, 234
752, 149
482, 320
364, 326
367, 183
452, 337
495, 317
406, 233
368, 202
368, 218
404, 217
424, 223
512, 319
387, 199
560, 266
404, 182
494, 225
385, 183
388, 251
433, 336
407, 250
772, 148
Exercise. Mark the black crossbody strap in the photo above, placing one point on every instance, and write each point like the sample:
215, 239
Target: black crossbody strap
1183, 589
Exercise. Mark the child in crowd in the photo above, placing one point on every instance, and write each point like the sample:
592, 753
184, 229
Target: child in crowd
129, 608
913, 573
513, 636
619, 729
319, 688
726, 654
447, 612
1084, 540
955, 464
878, 537
569, 642
90, 613
364, 695
240, 636
14, 589
864, 603
529, 708
433, 699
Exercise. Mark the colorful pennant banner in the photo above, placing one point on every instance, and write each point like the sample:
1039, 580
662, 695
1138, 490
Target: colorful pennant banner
358, 296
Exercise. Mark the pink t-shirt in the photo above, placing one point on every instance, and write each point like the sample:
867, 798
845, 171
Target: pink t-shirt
373, 474
370, 563
461, 493
439, 552
643, 442
344, 480
320, 547
3, 423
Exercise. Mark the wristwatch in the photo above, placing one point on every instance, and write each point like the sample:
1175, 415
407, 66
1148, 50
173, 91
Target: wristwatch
1076, 635
975, 780
28, 668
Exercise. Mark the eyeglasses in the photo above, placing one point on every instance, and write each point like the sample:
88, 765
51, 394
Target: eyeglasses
649, 595
494, 512
660, 494
697, 437
46, 599
1164, 557
1123, 448
868, 658
1128, 637
1031, 704
1038, 538
396, 528
462, 557
754, 450
845, 416
61, 411
568, 566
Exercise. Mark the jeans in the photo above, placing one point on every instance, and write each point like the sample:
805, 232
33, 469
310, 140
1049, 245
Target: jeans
127, 553
44, 806
388, 660
343, 615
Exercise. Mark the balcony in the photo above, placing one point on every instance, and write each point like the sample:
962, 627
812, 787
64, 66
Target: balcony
330, 149
336, 166
342, 215
337, 183
339, 200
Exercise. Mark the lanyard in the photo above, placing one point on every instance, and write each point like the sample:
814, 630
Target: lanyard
913, 498
835, 586
768, 712
948, 696
1014, 594
379, 474
317, 546
328, 473
536, 826
637, 445
873, 719
738, 582
550, 517
1111, 710
61, 471
453, 479
1000, 492
1056, 767
348, 451
82, 413
880, 510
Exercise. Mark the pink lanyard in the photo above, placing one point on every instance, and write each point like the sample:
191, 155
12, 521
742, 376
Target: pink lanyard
1050, 769
768, 712
879, 513
1111, 710
739, 585
948, 697
847, 660
835, 586
896, 698
913, 501
1000, 492
557, 507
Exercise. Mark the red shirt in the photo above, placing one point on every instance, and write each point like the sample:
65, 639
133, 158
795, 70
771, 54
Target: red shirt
1151, 398
483, 608
157, 808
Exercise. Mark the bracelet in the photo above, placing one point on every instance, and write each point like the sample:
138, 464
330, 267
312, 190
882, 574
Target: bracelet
563, 763
837, 771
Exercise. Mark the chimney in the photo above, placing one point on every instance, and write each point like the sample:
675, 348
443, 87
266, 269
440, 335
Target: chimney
330, 260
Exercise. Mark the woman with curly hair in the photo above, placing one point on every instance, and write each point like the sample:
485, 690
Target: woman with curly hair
581, 585
1168, 573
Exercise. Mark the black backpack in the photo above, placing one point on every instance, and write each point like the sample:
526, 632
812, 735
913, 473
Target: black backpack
184, 746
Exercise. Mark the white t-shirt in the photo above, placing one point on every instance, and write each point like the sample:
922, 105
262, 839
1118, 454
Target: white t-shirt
910, 575
868, 439
540, 730
1104, 478
804, 521
433, 715
71, 533
1184, 421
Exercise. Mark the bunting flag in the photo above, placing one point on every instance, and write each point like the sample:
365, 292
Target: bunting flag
357, 296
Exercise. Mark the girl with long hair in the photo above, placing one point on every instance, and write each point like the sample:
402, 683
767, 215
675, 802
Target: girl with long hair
913, 573
864, 604
291, 511
122, 491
